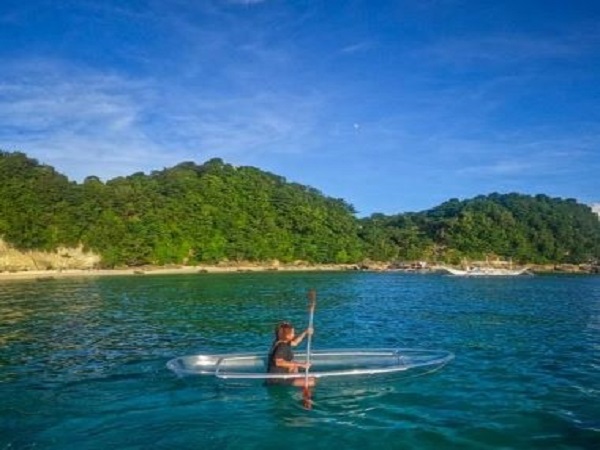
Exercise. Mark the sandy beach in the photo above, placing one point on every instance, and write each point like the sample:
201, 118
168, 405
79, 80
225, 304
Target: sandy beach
180, 270
43, 275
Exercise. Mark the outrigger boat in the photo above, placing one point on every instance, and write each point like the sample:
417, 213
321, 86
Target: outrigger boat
484, 272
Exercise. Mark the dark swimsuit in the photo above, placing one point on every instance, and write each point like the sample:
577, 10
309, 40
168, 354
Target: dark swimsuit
279, 350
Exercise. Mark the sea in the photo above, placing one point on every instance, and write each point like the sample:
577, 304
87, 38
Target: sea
83, 362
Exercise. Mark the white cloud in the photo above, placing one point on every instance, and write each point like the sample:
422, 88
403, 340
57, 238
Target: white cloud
89, 123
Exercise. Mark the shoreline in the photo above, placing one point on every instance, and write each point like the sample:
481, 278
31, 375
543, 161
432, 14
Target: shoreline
51, 274
42, 275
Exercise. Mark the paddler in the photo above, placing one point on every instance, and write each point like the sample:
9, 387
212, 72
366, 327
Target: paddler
281, 355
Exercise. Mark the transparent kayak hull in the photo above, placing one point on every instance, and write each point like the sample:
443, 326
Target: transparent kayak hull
324, 363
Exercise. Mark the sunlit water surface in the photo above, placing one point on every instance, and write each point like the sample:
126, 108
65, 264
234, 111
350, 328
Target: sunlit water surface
82, 362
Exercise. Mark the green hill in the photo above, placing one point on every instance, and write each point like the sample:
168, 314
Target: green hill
185, 214
523, 228
213, 212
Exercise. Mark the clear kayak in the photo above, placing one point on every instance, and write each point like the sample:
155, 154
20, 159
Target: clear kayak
324, 363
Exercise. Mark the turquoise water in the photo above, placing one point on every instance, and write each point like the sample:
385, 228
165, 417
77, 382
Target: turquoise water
82, 362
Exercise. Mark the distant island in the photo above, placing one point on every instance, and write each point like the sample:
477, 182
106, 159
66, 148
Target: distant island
218, 215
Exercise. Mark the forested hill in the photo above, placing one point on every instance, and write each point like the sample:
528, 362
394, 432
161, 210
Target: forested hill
523, 228
186, 214
213, 212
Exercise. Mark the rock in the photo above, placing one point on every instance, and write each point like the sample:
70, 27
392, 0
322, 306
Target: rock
63, 258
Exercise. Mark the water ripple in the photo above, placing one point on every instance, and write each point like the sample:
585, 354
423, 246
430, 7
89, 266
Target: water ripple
83, 362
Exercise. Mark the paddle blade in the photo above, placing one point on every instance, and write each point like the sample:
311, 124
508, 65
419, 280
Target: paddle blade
312, 299
307, 398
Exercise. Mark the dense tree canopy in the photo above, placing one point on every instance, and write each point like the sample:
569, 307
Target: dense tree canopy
214, 212
523, 228
186, 214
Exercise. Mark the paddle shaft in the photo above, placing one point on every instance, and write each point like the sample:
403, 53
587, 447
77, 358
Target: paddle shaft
308, 343
312, 295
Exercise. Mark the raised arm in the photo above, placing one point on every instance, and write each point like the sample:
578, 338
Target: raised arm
301, 336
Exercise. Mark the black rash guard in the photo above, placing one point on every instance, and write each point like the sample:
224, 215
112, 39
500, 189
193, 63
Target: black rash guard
280, 350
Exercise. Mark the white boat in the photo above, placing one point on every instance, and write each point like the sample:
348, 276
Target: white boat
485, 272
324, 363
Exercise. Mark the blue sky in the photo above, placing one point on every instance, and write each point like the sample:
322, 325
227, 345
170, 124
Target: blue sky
393, 106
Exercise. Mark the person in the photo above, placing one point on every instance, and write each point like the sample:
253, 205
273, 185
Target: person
281, 356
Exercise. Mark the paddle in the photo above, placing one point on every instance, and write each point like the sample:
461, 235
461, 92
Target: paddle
306, 394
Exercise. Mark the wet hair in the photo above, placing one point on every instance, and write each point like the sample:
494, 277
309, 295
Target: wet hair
282, 329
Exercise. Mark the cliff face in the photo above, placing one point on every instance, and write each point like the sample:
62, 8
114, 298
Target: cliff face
12, 260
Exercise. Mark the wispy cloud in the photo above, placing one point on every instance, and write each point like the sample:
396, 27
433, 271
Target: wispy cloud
224, 92
533, 154
245, 2
357, 47
498, 168
510, 48
74, 117
116, 125
306, 90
